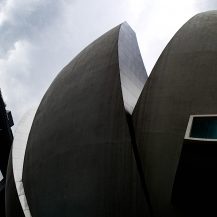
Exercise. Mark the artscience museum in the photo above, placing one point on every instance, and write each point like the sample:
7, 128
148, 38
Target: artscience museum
109, 141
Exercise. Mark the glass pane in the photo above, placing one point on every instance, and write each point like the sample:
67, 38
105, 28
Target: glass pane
204, 127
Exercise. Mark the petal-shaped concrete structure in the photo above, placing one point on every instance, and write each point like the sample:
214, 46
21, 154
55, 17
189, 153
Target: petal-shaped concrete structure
15, 193
183, 82
79, 159
18, 153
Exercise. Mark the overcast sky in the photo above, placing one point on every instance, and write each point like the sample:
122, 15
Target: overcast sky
39, 37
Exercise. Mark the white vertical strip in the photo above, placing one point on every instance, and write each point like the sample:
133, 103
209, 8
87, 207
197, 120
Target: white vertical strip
132, 70
1, 176
18, 152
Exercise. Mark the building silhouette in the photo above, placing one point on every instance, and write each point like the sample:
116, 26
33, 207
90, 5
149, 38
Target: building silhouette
6, 139
107, 140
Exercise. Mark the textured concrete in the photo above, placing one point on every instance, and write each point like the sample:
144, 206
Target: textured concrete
183, 82
79, 159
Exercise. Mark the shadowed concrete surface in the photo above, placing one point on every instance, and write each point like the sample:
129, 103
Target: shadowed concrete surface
12, 203
194, 189
183, 82
79, 159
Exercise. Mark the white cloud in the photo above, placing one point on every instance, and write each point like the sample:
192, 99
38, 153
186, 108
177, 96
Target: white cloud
15, 75
163, 19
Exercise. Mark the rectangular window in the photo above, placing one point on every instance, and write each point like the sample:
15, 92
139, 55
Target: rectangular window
202, 127
195, 181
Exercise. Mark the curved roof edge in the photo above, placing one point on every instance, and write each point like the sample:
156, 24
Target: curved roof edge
132, 71
18, 153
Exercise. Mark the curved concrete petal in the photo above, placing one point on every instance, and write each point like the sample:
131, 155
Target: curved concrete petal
182, 83
79, 158
18, 152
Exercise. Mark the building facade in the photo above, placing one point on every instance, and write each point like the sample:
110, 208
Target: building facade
107, 140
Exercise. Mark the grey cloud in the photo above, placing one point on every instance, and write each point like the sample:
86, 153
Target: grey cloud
40, 37
26, 23
23, 58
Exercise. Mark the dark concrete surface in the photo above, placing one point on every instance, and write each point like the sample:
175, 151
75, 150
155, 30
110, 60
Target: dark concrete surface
12, 203
79, 159
194, 190
183, 82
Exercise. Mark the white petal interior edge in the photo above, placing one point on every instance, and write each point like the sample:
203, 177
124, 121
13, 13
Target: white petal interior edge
1, 176
18, 152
